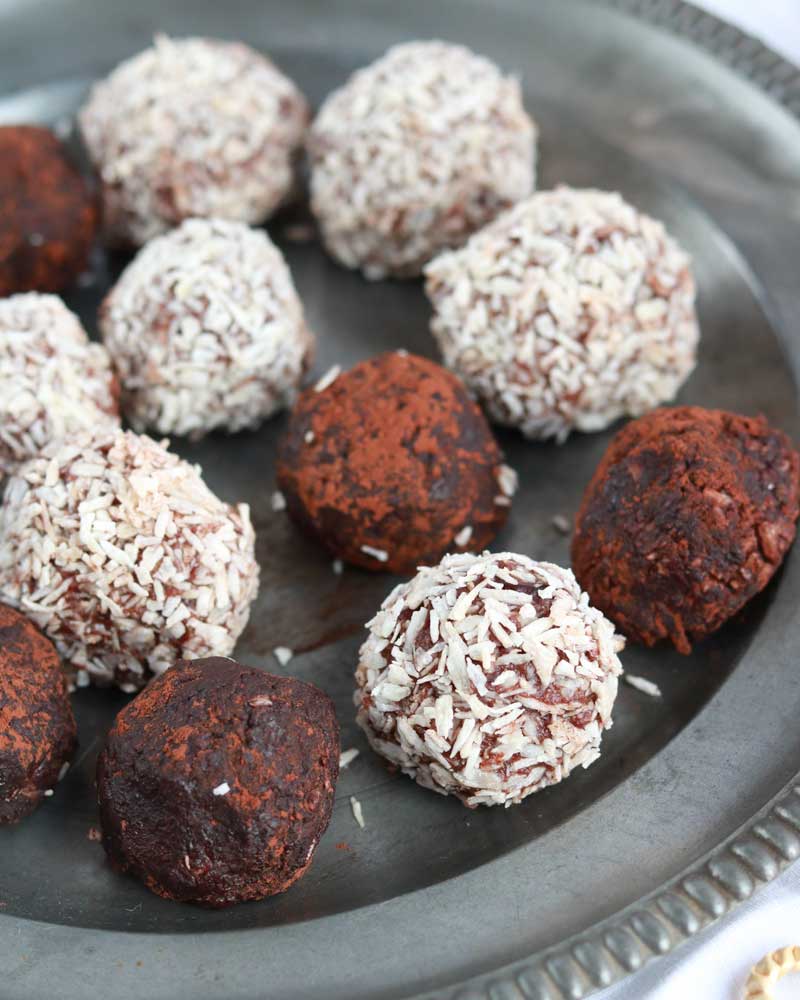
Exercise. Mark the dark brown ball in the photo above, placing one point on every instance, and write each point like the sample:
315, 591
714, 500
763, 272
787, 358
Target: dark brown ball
686, 518
392, 465
37, 728
48, 214
217, 782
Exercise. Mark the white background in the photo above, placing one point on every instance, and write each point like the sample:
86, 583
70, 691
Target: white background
716, 967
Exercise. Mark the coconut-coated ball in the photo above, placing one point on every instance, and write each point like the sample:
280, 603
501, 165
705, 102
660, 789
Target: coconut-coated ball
686, 518
391, 464
121, 554
568, 312
192, 127
217, 782
53, 380
415, 152
206, 330
488, 677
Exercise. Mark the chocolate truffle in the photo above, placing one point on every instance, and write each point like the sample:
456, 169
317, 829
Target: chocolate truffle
122, 555
206, 330
217, 782
48, 214
571, 310
414, 153
192, 127
37, 727
53, 381
488, 677
686, 518
391, 464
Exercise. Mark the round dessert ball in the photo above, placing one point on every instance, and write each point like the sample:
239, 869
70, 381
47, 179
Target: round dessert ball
685, 519
122, 555
217, 782
391, 464
414, 153
206, 330
48, 213
192, 127
568, 312
488, 677
37, 728
53, 381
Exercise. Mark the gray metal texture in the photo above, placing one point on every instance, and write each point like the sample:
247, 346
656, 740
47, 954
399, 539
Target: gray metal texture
693, 804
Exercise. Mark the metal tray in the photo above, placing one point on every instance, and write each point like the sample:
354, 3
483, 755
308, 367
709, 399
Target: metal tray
693, 803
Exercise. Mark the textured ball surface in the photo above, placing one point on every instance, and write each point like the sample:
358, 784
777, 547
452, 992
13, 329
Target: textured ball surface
37, 728
48, 214
53, 381
217, 782
206, 330
414, 153
686, 518
488, 677
569, 311
121, 554
391, 464
192, 127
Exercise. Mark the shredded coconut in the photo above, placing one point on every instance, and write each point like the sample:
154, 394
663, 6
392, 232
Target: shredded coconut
347, 757
282, 654
222, 789
358, 812
643, 684
379, 554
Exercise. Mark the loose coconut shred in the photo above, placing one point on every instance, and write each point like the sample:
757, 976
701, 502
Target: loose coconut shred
121, 554
488, 677
566, 313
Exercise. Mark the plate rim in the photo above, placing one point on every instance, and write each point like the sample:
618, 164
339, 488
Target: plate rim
709, 887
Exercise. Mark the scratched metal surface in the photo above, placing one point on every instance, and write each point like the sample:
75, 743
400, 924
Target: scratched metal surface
620, 106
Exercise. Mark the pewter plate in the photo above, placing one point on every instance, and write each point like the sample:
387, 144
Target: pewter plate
692, 804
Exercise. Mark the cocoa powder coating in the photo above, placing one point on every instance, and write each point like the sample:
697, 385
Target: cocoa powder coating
686, 518
390, 464
217, 782
37, 728
48, 215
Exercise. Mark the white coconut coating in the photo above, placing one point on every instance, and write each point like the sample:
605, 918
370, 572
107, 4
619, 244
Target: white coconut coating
414, 153
206, 330
488, 677
122, 555
53, 380
568, 312
192, 127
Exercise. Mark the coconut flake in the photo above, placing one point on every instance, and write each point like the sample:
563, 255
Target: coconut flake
358, 813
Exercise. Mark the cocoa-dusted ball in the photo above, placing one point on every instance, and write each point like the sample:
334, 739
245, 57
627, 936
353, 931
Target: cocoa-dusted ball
686, 518
48, 215
37, 727
391, 464
217, 782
